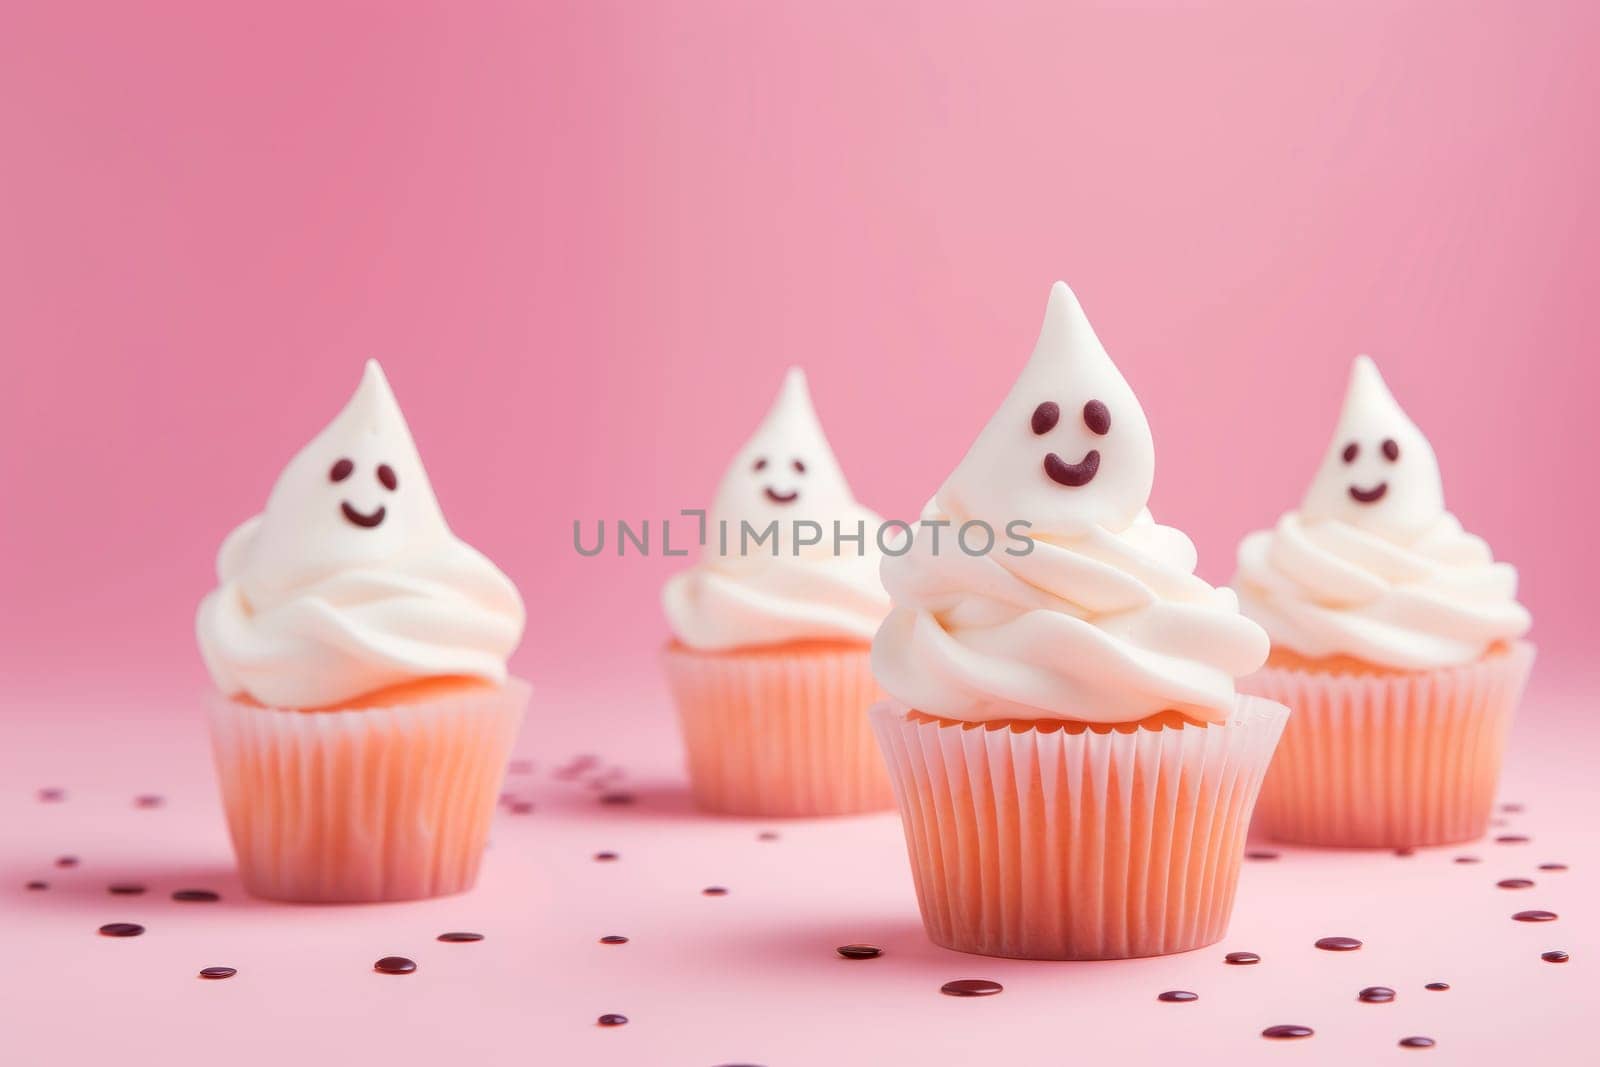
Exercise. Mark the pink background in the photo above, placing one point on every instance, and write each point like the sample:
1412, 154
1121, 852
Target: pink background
586, 238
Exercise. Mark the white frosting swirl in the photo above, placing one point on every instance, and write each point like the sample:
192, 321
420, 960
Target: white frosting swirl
781, 590
350, 581
1372, 566
1104, 619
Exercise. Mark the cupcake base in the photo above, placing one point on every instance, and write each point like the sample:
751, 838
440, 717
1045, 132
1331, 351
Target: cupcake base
381, 803
1389, 760
1070, 842
781, 731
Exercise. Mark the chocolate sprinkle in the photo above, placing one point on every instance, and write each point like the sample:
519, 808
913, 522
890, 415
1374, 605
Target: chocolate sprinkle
715, 891
1416, 1042
520, 807
1375, 994
767, 835
460, 937
612, 1019
1261, 854
1552, 866
1515, 883
125, 889
616, 798
66, 861
1437, 987
196, 896
613, 939
1535, 916
218, 972
1405, 851
859, 952
1513, 839
38, 885
121, 930
1512, 808
1338, 944
971, 987
604, 857
395, 965
148, 800
52, 795
1287, 1030
1177, 996
1468, 859
1555, 955
1241, 958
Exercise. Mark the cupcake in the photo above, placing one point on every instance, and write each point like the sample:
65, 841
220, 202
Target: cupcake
1395, 639
768, 664
1074, 768
363, 713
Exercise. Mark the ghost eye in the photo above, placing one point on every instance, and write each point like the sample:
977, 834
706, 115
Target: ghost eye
799, 468
761, 464
386, 476
1097, 417
340, 470
1045, 417
1351, 451
1391, 450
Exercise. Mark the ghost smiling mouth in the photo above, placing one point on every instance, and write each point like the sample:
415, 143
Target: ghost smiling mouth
365, 521
1369, 496
1072, 474
782, 498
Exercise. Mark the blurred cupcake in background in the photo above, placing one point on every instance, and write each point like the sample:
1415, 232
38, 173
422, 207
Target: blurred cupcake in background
769, 659
364, 713
1395, 640
1074, 768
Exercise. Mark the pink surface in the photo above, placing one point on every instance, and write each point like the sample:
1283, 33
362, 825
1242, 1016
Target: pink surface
585, 239
750, 977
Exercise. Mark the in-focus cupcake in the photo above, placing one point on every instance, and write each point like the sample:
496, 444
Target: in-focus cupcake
1395, 640
364, 713
1074, 768
769, 662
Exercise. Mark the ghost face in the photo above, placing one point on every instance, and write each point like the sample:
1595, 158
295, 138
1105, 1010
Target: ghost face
1379, 472
341, 472
1097, 417
779, 482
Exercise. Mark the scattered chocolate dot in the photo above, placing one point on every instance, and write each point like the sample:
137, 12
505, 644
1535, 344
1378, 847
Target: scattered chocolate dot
1405, 851
66, 861
1535, 916
52, 795
121, 930
1513, 839
767, 835
1512, 808
1241, 958
38, 885
1416, 1042
395, 965
604, 857
859, 952
218, 972
1260, 854
971, 987
612, 1019
715, 891
521, 807
1287, 1031
1515, 883
1177, 996
125, 889
1338, 944
460, 936
1552, 866
1375, 994
1437, 987
616, 798
196, 896
613, 939
148, 800
1555, 955
1468, 859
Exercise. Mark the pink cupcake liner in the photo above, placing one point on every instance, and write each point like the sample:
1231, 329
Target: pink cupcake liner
389, 803
1389, 760
1044, 842
779, 732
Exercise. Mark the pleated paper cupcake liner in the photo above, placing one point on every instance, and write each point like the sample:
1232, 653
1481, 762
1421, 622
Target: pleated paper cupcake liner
1390, 760
779, 732
389, 803
1063, 843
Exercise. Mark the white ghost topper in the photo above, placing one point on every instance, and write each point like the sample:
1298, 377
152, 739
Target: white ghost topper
357, 495
784, 473
1379, 473
1069, 447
